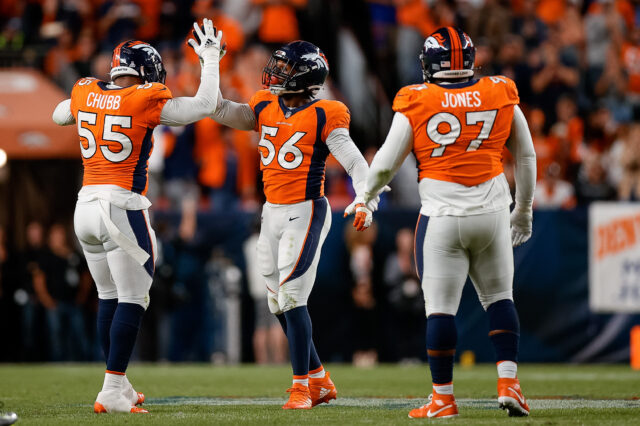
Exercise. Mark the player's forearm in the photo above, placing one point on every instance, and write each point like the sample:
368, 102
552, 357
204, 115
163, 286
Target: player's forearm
390, 156
185, 110
62, 115
521, 146
232, 114
349, 156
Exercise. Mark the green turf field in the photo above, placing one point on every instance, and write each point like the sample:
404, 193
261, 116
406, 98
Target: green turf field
202, 394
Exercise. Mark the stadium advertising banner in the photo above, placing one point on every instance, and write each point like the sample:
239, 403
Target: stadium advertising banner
614, 257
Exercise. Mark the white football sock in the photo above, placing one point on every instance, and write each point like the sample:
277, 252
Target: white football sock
304, 382
318, 375
507, 369
113, 382
443, 389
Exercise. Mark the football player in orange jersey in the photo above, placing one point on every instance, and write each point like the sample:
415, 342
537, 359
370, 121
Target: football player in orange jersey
457, 127
115, 124
297, 133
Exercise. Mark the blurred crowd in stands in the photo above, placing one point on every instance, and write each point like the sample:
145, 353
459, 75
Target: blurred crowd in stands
576, 64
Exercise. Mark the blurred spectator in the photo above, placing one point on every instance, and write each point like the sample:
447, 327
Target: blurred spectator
8, 312
554, 75
631, 65
118, 21
552, 192
592, 184
30, 259
62, 284
191, 328
602, 26
529, 25
365, 335
279, 23
404, 295
629, 187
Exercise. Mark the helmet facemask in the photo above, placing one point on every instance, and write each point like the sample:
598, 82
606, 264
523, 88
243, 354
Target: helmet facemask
280, 76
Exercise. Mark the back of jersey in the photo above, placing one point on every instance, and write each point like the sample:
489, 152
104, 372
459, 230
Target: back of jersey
459, 130
115, 126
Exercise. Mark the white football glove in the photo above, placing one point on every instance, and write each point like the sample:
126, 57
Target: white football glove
363, 216
208, 42
375, 201
521, 218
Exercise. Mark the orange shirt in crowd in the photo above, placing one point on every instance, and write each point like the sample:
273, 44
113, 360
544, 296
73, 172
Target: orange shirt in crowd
631, 64
279, 22
150, 13
459, 130
546, 148
415, 13
551, 11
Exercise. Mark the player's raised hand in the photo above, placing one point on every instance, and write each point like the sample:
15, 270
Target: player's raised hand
363, 215
521, 219
208, 40
375, 201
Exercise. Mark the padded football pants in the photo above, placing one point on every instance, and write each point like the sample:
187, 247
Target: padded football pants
288, 250
120, 248
448, 248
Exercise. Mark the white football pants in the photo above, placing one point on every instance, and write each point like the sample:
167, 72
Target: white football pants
113, 240
448, 248
288, 250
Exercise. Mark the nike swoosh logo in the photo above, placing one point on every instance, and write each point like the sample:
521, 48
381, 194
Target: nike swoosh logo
435, 413
520, 398
324, 392
294, 218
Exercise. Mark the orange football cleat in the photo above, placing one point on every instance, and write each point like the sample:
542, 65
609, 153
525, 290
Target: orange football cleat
322, 390
140, 398
99, 409
299, 398
440, 406
114, 402
511, 399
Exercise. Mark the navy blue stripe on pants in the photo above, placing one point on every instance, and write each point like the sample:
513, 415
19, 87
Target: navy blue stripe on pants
312, 240
421, 232
138, 224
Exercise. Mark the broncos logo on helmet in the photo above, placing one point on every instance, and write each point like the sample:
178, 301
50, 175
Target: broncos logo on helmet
448, 53
296, 67
138, 59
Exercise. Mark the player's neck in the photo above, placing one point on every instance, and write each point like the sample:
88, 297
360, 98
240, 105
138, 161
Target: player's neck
295, 101
127, 80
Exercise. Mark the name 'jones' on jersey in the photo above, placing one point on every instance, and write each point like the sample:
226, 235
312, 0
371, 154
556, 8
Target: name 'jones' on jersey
115, 126
293, 145
459, 129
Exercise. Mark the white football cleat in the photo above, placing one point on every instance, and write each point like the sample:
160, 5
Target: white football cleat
136, 398
114, 402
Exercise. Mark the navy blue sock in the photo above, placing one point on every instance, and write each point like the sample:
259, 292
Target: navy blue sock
504, 329
106, 309
299, 337
442, 337
314, 359
124, 331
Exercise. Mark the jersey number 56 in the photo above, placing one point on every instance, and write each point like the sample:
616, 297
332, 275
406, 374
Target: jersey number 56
289, 155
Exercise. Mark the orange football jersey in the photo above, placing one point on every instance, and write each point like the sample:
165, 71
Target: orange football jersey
459, 130
115, 126
292, 145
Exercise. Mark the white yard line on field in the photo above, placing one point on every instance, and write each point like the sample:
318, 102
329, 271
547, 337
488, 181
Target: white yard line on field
539, 404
